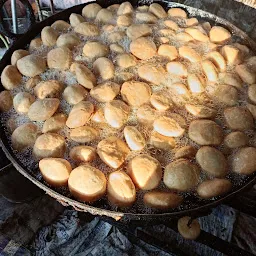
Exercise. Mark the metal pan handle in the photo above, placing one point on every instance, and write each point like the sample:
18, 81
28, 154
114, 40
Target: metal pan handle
29, 14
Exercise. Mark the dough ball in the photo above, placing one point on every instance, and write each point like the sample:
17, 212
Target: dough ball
135, 93
41, 110
134, 138
205, 132
162, 200
32, 82
146, 114
189, 54
185, 152
104, 68
49, 36
138, 30
168, 127
189, 231
126, 60
121, 190
74, 93
217, 59
84, 134
116, 113
168, 51
179, 93
212, 161
201, 111
49, 145
252, 109
84, 76
116, 37
247, 75
252, 93
90, 11
212, 188
162, 142
35, 44
80, 114
48, 89
219, 35
152, 74
24, 136
105, 16
235, 140
177, 68
184, 37
60, 25
55, 171
124, 76
157, 10
87, 29
143, 48
112, 151
68, 40
76, 19
181, 175
171, 24
163, 40
98, 116
225, 94
87, 183
116, 48
238, 118
18, 54
54, 123
95, 50
22, 102
113, 8
105, 92
192, 22
197, 33
125, 8
145, 171
210, 71
177, 13
166, 32
232, 54
231, 79
244, 161
5, 101
146, 17
59, 58
161, 101
83, 154
143, 8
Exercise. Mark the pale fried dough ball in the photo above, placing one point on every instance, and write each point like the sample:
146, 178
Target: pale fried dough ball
124, 21
113, 8
168, 51
235, 140
138, 30
116, 48
116, 113
189, 231
90, 11
105, 92
184, 37
126, 60
157, 10
87, 183
104, 68
32, 82
41, 110
75, 93
35, 44
185, 152
95, 50
181, 175
146, 114
60, 25
252, 109
83, 153
219, 35
134, 138
18, 54
22, 102
189, 54
87, 29
171, 24
232, 54
84, 134
105, 16
252, 93
125, 8
197, 33
80, 114
231, 79
177, 12
212, 161
177, 68
48, 89
59, 58
217, 59
54, 123
143, 8
24, 136
76, 19
162, 200
135, 93
244, 161
146, 17
116, 36
5, 101
98, 116
161, 101
31, 65
192, 22
238, 118
55, 171
162, 142
112, 151
210, 71
121, 190
49, 145
201, 111
246, 73
205, 132
214, 187
196, 83
145, 171
49, 36
68, 40
84, 76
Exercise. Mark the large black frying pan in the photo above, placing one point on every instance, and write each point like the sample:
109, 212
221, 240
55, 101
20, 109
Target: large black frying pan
197, 207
